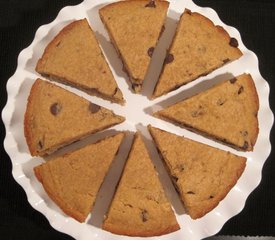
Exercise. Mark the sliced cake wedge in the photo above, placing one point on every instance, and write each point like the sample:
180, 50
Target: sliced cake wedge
202, 175
73, 180
226, 112
134, 28
140, 207
198, 48
74, 57
56, 117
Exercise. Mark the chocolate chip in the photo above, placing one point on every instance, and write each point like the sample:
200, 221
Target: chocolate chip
93, 108
144, 215
150, 51
240, 90
226, 60
233, 42
233, 80
169, 58
190, 192
40, 144
211, 197
151, 4
55, 109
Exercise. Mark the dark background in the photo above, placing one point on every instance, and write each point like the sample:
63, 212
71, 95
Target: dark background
19, 19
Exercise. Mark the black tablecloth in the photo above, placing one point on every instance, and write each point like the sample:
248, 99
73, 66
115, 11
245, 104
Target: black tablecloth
19, 19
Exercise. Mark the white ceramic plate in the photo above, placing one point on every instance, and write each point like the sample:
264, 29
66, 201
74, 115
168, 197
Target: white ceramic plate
138, 114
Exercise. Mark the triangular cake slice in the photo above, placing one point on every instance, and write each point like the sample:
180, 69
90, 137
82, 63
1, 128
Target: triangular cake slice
74, 57
202, 175
56, 117
198, 48
134, 28
226, 112
73, 180
140, 207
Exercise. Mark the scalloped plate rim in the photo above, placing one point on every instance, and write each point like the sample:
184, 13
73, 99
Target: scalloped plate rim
9, 141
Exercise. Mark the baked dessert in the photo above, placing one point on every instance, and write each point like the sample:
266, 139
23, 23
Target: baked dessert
226, 112
139, 207
73, 180
56, 117
198, 48
134, 28
202, 175
74, 57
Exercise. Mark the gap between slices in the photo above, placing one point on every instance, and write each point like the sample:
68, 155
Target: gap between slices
140, 207
74, 57
134, 28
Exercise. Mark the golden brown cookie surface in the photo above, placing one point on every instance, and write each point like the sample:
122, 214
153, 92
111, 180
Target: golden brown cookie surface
134, 28
56, 117
226, 112
198, 48
139, 207
203, 175
74, 57
73, 180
